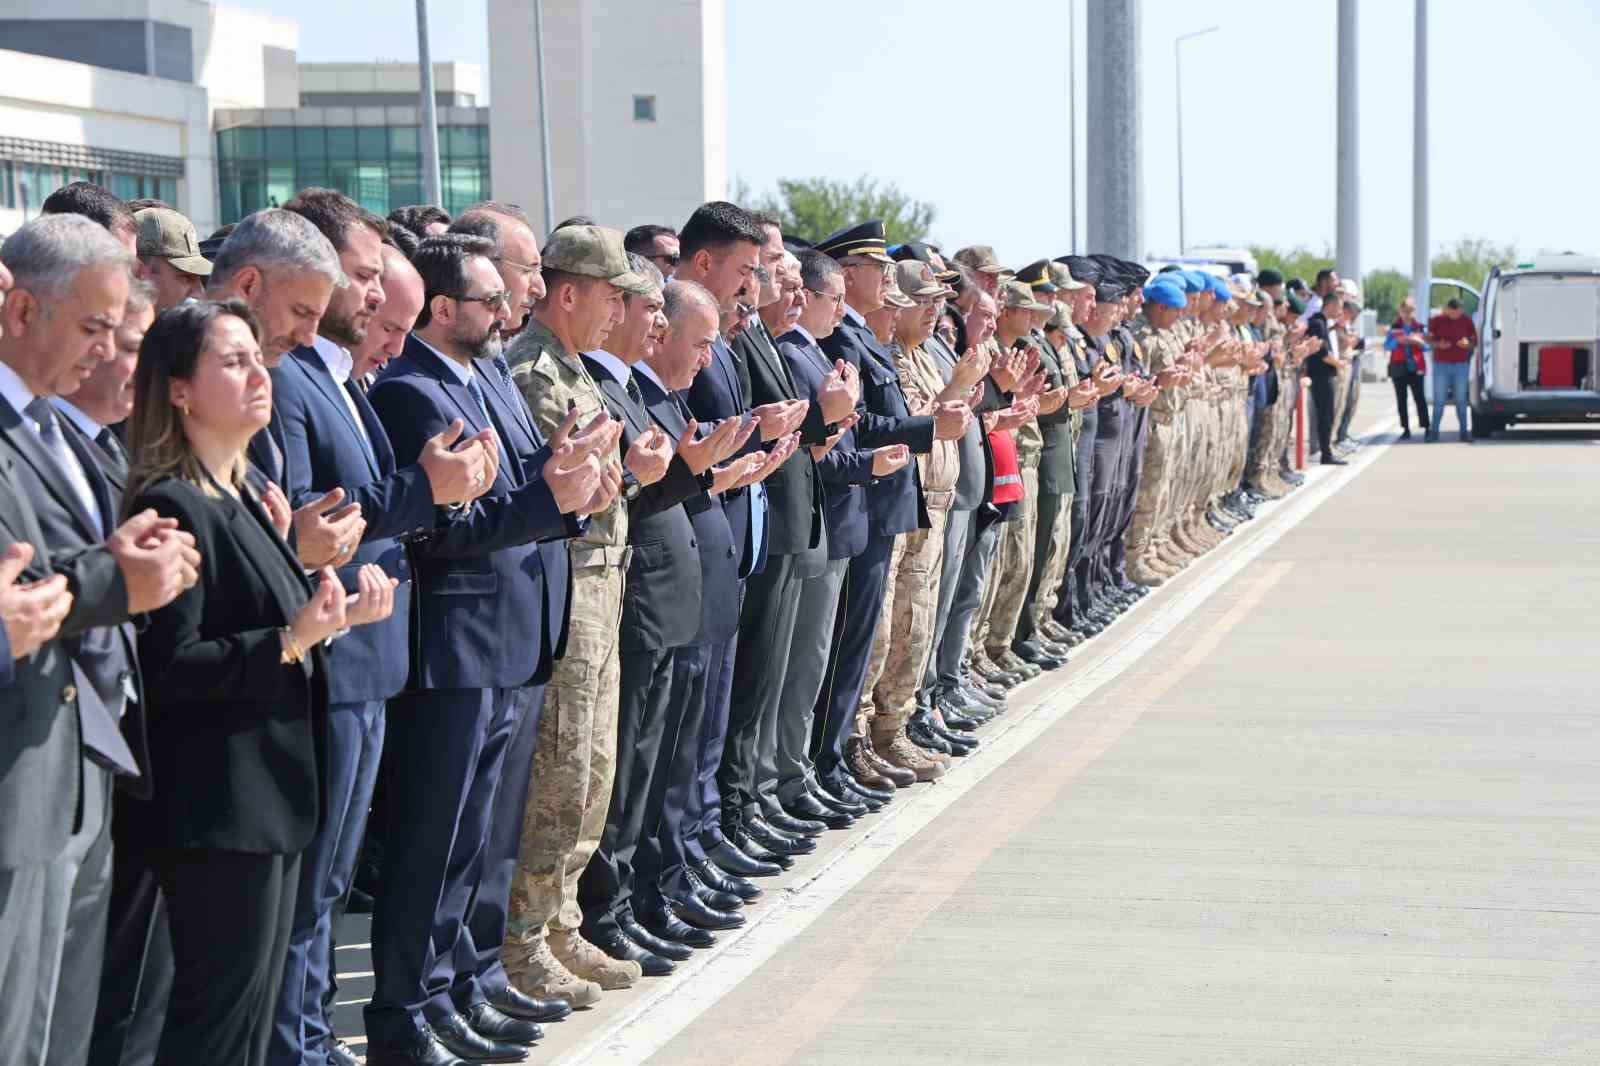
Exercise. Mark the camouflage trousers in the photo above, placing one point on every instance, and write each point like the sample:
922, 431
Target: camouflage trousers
1013, 566
1156, 490
1341, 396
573, 766
1238, 440
1203, 423
905, 629
1054, 570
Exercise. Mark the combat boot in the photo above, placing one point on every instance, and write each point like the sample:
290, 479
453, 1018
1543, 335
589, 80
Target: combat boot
1144, 575
862, 769
535, 972
992, 672
588, 962
1008, 660
897, 750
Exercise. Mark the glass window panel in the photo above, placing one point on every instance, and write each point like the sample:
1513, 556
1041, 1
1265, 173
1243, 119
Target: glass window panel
252, 187
342, 143
280, 184
168, 190
250, 146
461, 142
124, 186
462, 186
229, 189
404, 141
307, 174
279, 144
372, 144
227, 144
342, 176
372, 187
310, 143
8, 195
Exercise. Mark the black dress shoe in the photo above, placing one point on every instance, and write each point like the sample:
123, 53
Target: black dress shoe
464, 1042
834, 793
776, 840
667, 949
339, 1053
716, 877
668, 926
491, 1024
692, 909
716, 900
1334, 460
957, 722
808, 807
1030, 652
922, 737
787, 822
757, 851
728, 856
874, 799
620, 945
515, 1004
424, 1049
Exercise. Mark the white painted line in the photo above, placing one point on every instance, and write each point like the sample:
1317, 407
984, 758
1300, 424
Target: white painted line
645, 1027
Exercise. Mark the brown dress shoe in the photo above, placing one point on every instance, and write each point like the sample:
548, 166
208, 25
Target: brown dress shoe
897, 750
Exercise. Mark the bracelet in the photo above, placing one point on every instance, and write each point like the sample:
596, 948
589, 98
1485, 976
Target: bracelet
292, 652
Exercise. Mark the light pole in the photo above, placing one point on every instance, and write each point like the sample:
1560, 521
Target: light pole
1072, 125
1177, 55
431, 191
544, 119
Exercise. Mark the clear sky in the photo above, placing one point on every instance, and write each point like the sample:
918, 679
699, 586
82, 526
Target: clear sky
965, 105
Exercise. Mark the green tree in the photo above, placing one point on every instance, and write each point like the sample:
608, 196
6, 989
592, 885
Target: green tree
1470, 259
1297, 262
815, 207
1383, 290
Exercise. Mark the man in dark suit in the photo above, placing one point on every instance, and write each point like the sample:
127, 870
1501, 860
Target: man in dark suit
332, 438
719, 248
56, 326
845, 471
660, 613
480, 605
894, 506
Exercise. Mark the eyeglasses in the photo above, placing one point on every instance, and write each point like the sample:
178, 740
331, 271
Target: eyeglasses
669, 260
488, 299
836, 297
520, 266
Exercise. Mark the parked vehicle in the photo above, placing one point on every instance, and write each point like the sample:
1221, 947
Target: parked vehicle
1539, 330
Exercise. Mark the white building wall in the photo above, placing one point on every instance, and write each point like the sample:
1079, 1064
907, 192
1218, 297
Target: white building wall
601, 54
54, 100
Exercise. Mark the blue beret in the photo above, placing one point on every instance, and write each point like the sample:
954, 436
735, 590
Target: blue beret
1194, 280
1166, 293
1219, 287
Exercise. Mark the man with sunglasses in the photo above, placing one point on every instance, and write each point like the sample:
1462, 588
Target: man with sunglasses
516, 254
659, 244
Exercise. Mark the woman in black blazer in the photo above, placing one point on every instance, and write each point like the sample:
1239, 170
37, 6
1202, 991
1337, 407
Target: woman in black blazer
235, 685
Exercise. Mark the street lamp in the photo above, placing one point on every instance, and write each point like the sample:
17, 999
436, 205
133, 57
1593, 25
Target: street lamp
1177, 55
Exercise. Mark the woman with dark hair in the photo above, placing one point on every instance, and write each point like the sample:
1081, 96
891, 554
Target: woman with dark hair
1408, 363
235, 685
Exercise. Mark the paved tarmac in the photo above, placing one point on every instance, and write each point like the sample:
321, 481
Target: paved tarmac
1327, 798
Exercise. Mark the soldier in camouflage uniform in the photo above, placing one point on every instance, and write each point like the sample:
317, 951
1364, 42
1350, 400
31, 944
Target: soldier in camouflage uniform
1154, 332
585, 275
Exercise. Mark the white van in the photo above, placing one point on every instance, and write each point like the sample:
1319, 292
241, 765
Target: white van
1540, 330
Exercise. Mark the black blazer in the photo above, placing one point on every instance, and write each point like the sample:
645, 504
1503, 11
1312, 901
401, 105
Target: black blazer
237, 738
661, 597
722, 390
41, 767
718, 594
795, 524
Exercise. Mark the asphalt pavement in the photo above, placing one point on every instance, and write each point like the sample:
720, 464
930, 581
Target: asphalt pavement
1328, 797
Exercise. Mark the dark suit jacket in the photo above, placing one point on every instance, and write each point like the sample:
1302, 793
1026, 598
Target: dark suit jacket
894, 503
846, 471
324, 450
1315, 365
795, 523
713, 537
237, 737
722, 390
41, 766
481, 595
661, 597
98, 635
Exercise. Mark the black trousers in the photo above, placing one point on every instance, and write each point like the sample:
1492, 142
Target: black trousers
229, 914
1322, 398
766, 630
137, 976
1410, 383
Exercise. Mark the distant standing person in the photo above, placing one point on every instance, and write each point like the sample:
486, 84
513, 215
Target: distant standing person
1408, 364
1454, 338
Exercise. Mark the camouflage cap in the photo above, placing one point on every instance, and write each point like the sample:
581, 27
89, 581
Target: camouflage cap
892, 294
594, 252
1014, 294
915, 278
981, 257
1060, 318
167, 234
1061, 274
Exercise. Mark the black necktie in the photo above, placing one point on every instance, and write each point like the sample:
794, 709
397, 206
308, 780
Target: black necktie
633, 392
112, 446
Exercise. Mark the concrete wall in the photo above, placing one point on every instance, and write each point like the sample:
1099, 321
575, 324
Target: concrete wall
54, 100
601, 54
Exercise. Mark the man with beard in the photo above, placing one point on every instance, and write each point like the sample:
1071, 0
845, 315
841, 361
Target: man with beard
489, 617
516, 254
332, 439
586, 275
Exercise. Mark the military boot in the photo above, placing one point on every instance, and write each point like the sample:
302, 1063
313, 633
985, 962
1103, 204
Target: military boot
862, 768
590, 963
1144, 575
1009, 660
897, 750
535, 972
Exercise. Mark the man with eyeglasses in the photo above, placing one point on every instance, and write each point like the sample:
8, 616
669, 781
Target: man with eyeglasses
659, 244
516, 254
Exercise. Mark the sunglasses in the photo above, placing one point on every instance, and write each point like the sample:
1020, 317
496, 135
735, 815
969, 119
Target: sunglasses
488, 299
